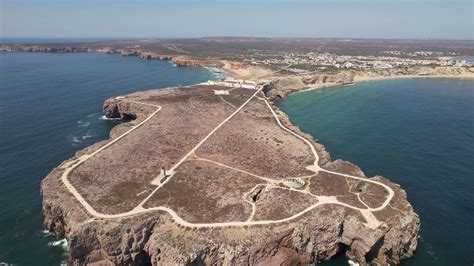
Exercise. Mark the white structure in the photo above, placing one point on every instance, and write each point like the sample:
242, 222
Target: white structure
248, 84
294, 183
221, 92
236, 83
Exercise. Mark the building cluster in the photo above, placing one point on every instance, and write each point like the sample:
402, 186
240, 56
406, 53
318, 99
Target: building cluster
390, 60
235, 83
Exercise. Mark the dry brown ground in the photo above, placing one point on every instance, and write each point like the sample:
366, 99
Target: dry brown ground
326, 184
119, 178
252, 141
277, 204
111, 180
204, 192
346, 189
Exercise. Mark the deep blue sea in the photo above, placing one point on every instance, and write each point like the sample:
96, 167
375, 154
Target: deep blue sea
57, 40
50, 107
417, 132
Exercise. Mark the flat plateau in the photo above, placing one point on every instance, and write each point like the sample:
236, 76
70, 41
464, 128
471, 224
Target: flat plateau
242, 186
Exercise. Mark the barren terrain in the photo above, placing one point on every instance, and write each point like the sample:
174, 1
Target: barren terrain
233, 162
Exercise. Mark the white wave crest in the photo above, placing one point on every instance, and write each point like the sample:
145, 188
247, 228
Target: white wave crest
83, 124
61, 243
352, 263
87, 135
107, 118
74, 139
47, 233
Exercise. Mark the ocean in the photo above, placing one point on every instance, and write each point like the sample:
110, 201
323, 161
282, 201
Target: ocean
51, 106
418, 133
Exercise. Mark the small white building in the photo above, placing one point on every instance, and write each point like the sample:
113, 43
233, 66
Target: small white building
248, 84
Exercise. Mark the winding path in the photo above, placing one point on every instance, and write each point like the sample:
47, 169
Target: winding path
322, 200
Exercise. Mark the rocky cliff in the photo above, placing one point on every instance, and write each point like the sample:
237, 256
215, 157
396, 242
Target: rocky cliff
280, 87
155, 238
196, 62
179, 60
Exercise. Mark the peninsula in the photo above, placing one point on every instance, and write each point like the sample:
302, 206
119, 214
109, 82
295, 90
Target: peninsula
215, 173
242, 186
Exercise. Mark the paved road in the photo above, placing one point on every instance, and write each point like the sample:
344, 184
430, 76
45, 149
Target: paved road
322, 200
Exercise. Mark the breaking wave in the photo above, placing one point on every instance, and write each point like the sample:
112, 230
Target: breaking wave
75, 140
59, 243
352, 263
108, 118
47, 233
83, 124
87, 135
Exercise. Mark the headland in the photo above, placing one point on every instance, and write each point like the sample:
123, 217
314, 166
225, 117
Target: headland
241, 184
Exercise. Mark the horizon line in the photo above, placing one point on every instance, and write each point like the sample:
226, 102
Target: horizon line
236, 36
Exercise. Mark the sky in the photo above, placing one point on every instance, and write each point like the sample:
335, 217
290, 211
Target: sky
407, 19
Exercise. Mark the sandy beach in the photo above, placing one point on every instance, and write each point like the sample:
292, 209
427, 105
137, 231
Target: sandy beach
370, 78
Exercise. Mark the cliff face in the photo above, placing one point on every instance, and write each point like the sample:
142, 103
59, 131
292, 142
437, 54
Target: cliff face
154, 237
283, 86
179, 60
424, 71
194, 62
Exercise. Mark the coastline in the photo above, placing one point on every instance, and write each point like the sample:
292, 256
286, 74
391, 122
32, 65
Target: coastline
327, 85
78, 230
372, 78
359, 79
226, 68
75, 99
382, 115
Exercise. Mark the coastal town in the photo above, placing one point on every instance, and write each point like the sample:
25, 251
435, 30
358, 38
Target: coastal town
391, 60
303, 58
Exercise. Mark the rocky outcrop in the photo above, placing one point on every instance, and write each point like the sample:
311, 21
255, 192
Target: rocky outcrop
154, 56
195, 62
283, 86
44, 49
115, 109
422, 71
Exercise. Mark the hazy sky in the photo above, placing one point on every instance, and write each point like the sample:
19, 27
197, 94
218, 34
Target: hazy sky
439, 19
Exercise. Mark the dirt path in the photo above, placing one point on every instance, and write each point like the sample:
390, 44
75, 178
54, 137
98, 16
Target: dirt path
372, 222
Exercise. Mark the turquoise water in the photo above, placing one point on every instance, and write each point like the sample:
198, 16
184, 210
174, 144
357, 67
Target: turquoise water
51, 106
467, 59
417, 132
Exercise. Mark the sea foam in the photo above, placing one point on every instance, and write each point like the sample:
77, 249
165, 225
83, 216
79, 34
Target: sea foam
83, 124
352, 263
107, 118
47, 233
59, 243
87, 135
